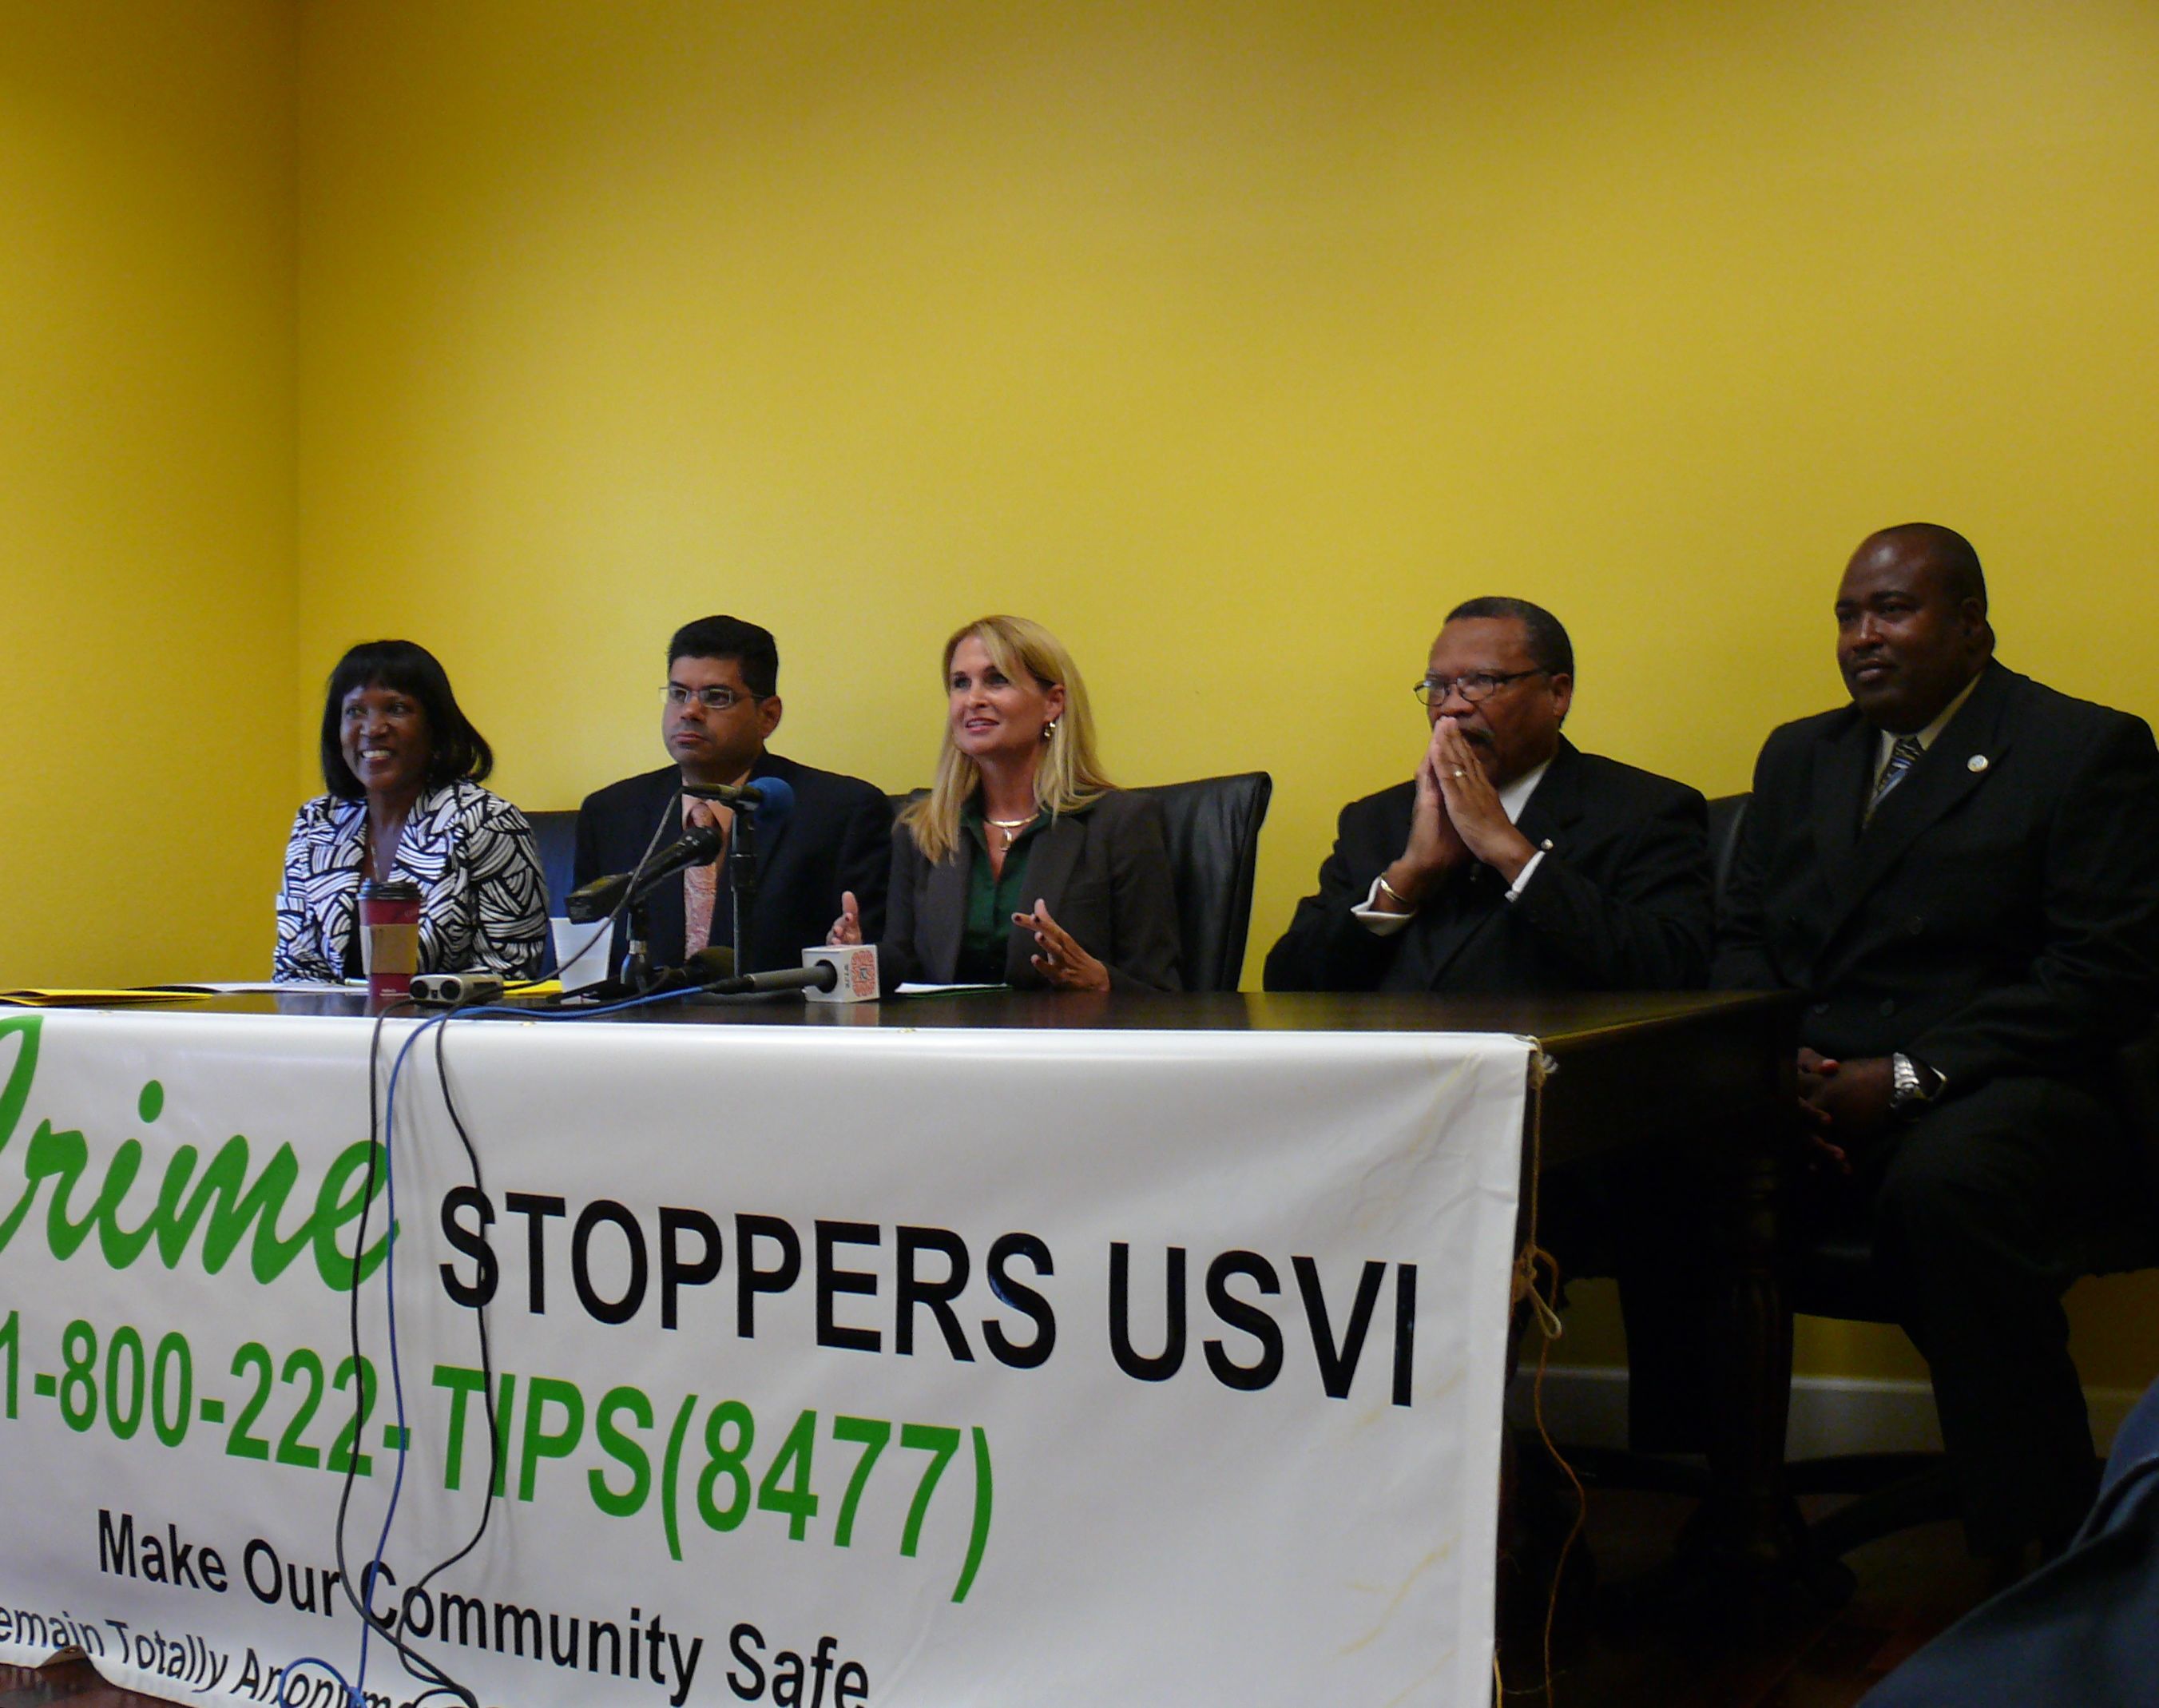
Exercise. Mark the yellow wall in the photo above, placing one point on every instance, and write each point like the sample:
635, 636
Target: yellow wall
1233, 342
147, 563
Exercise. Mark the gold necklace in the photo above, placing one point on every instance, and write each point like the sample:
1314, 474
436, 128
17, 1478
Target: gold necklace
1012, 827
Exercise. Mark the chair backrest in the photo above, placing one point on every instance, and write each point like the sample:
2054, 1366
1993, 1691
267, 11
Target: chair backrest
555, 834
1213, 826
1727, 814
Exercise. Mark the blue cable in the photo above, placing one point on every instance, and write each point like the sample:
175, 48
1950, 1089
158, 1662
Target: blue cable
352, 1696
504, 1011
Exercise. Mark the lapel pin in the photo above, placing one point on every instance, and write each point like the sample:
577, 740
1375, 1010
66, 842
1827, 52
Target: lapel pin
1548, 843
1977, 761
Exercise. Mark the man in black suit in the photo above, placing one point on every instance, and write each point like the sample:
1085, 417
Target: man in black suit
1512, 861
1515, 862
722, 706
1961, 869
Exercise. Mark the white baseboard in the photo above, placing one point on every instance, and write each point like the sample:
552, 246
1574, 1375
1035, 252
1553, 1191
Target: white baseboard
1830, 1414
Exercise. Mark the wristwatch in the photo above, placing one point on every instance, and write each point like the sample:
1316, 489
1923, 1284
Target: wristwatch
1911, 1084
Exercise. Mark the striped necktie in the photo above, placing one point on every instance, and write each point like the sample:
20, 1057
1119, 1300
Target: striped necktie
1902, 757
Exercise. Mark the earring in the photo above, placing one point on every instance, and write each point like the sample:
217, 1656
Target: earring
1049, 729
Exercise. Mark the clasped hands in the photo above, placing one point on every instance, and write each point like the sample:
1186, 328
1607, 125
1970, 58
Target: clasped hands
1843, 1103
1061, 961
1456, 818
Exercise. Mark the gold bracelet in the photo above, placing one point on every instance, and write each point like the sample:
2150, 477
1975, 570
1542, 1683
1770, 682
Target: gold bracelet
1396, 893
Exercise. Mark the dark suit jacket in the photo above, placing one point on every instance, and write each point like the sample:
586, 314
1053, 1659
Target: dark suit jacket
1104, 872
1621, 900
838, 837
1999, 915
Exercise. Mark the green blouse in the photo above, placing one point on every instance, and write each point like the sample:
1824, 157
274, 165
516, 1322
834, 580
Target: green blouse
991, 899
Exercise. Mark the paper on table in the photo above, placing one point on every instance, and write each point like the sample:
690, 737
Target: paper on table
243, 987
144, 996
915, 989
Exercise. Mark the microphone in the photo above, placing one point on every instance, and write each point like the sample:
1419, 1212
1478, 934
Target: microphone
700, 845
714, 961
774, 797
822, 976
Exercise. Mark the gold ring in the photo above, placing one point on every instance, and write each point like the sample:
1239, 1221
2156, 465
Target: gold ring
1459, 773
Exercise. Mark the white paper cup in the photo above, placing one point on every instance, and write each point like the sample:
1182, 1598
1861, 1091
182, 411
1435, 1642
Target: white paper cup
589, 968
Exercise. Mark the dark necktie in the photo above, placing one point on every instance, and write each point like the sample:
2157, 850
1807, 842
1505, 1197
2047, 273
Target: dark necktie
1902, 757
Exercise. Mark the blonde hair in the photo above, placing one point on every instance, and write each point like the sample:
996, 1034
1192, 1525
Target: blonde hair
1068, 775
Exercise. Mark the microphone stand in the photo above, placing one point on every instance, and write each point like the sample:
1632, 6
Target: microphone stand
742, 877
637, 975
599, 900
742, 860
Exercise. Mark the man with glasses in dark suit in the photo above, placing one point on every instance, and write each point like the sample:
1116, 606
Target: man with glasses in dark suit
720, 706
1513, 861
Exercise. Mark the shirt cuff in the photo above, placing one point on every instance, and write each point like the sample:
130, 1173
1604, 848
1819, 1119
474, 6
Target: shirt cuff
1373, 919
1522, 877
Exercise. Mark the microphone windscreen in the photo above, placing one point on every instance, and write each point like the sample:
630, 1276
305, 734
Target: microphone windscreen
715, 961
776, 799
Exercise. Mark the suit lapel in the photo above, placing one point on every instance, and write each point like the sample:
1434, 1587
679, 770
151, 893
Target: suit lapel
1555, 808
1944, 777
1477, 898
770, 840
945, 911
1050, 867
1844, 768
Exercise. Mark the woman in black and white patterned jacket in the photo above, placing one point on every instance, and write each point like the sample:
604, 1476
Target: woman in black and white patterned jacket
403, 766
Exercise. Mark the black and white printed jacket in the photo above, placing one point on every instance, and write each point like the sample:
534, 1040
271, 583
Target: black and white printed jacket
484, 905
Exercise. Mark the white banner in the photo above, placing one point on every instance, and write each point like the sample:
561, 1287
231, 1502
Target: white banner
832, 1365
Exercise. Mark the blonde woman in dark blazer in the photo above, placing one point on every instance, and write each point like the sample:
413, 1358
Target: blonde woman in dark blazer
1023, 866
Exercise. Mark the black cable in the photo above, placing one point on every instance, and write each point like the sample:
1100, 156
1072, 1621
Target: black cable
486, 1353
417, 1664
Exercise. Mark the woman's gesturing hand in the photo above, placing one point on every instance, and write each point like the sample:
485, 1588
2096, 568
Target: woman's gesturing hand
1061, 960
848, 930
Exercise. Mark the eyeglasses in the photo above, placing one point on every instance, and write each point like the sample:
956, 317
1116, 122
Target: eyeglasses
711, 699
1474, 686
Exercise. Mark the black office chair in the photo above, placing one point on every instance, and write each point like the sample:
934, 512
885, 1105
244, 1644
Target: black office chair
1213, 826
555, 834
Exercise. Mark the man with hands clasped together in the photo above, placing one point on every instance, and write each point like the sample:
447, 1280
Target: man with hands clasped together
1512, 861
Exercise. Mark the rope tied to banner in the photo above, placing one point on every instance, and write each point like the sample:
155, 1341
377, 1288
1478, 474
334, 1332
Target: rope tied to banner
1533, 1257
1536, 1282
